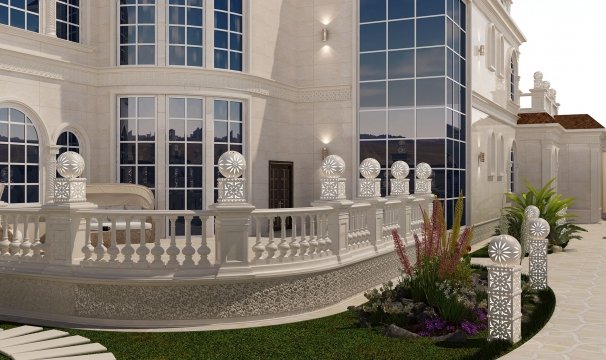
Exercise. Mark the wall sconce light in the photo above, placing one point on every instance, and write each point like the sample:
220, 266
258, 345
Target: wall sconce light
324, 153
324, 35
481, 50
481, 157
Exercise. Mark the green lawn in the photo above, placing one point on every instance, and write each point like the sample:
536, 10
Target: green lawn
333, 337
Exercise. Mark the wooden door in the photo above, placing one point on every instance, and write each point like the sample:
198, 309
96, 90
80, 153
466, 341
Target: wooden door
281, 188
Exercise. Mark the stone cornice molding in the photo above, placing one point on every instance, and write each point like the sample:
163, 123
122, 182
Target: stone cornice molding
55, 69
494, 110
499, 16
13, 34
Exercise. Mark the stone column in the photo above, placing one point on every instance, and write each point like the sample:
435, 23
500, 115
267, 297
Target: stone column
338, 223
504, 290
50, 18
538, 229
51, 172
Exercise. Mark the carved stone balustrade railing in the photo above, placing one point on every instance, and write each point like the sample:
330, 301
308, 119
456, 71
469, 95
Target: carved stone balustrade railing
307, 238
20, 235
358, 235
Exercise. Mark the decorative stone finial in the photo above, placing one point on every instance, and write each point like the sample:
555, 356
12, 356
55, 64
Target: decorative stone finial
538, 75
546, 85
333, 167
400, 170
532, 212
370, 186
538, 80
70, 165
538, 229
423, 183
232, 187
232, 164
423, 171
370, 168
504, 250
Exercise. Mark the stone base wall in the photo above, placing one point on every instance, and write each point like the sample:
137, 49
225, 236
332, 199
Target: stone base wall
484, 231
165, 303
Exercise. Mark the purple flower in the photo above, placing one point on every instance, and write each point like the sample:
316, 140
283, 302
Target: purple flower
469, 328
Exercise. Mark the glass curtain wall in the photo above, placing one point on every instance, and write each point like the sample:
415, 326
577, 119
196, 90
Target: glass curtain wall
412, 89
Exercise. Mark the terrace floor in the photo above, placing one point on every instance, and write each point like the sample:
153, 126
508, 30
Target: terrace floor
578, 326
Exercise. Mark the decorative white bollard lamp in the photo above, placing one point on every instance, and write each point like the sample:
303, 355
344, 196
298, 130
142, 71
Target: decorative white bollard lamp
71, 188
504, 290
232, 188
538, 229
369, 186
560, 221
532, 212
332, 183
400, 185
423, 182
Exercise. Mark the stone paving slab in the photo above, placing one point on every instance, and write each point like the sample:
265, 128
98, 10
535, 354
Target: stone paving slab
577, 329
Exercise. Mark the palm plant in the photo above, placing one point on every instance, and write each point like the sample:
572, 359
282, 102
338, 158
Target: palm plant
550, 204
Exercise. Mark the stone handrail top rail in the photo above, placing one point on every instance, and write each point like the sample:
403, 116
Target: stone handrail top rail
126, 213
291, 211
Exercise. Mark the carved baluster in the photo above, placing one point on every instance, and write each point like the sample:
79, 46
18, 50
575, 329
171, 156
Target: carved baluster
204, 250
26, 244
88, 249
15, 245
294, 244
142, 250
37, 245
271, 247
258, 248
157, 250
4, 244
188, 251
283, 246
128, 250
113, 250
313, 242
304, 243
327, 239
172, 250
100, 248
321, 239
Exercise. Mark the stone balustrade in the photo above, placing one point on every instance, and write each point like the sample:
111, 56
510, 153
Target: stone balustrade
90, 257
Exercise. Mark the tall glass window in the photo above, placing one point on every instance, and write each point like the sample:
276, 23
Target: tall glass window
68, 20
23, 14
412, 89
185, 32
229, 28
19, 157
137, 144
228, 131
512, 79
137, 32
185, 158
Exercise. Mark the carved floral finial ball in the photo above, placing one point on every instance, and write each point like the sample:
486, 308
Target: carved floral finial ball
232, 164
538, 75
532, 212
333, 166
400, 169
423, 171
504, 250
370, 168
70, 165
538, 229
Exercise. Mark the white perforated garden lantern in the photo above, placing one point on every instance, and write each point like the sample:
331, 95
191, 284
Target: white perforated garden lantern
70, 188
332, 183
369, 186
538, 230
232, 187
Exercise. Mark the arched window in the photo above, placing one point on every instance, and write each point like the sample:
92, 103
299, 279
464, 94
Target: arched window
19, 157
492, 146
512, 167
513, 73
501, 157
68, 142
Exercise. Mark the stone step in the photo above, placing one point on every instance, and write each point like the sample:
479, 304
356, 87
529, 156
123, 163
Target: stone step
19, 331
48, 344
40, 336
104, 356
61, 352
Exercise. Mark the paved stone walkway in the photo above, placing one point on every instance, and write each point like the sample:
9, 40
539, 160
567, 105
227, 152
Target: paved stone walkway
577, 329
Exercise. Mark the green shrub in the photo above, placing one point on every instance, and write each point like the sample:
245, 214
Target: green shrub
550, 204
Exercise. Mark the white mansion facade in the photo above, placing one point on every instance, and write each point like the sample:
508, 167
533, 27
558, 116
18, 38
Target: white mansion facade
152, 92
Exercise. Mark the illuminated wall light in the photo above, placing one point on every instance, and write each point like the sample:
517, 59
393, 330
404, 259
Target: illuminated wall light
324, 35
